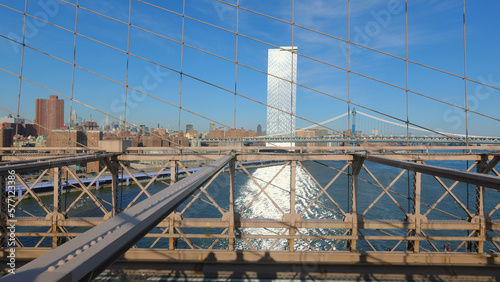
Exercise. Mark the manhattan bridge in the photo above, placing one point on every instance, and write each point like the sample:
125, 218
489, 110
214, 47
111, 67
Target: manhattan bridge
402, 185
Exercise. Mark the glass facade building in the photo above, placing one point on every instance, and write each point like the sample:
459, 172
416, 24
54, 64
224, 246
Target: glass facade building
281, 94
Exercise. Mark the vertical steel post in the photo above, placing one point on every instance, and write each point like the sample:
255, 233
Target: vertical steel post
232, 184
171, 227
173, 172
57, 204
113, 167
417, 191
357, 164
171, 231
354, 211
293, 183
480, 217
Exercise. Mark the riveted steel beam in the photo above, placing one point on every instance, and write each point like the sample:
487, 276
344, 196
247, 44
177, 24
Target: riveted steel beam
453, 174
31, 166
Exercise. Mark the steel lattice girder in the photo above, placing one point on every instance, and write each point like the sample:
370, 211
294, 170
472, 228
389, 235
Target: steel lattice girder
88, 254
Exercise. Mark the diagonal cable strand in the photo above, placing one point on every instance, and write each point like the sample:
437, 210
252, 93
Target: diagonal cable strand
193, 77
182, 63
306, 87
127, 68
296, 25
95, 109
243, 96
22, 64
314, 59
73, 73
357, 44
305, 56
309, 87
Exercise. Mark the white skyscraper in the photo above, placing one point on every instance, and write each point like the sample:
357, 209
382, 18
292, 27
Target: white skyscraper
281, 94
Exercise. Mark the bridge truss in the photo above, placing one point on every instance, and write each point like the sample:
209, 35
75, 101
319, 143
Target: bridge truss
293, 241
332, 231
360, 139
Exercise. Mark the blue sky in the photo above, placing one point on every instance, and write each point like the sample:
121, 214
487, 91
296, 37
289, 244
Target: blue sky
435, 38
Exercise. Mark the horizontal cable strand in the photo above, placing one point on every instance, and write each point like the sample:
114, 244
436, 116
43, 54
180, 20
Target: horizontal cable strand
251, 99
312, 89
274, 46
260, 41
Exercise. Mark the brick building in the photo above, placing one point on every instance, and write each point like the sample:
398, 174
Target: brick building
151, 141
23, 129
232, 133
90, 125
165, 141
6, 135
76, 138
159, 139
49, 114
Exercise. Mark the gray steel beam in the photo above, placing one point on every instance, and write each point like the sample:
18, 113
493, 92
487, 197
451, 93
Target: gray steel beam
273, 223
38, 159
244, 156
48, 149
35, 165
338, 148
87, 255
492, 164
489, 181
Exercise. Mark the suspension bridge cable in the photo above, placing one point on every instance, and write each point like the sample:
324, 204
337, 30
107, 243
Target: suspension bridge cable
298, 54
22, 64
127, 69
73, 67
88, 106
236, 59
184, 109
292, 93
356, 44
312, 88
182, 62
320, 123
465, 77
349, 69
219, 87
417, 128
465, 92
308, 57
417, 93
407, 100
407, 84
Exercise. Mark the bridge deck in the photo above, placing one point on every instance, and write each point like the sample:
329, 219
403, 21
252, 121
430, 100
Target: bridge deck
401, 247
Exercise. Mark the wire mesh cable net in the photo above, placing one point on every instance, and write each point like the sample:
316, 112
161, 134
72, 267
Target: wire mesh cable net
398, 70
140, 62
